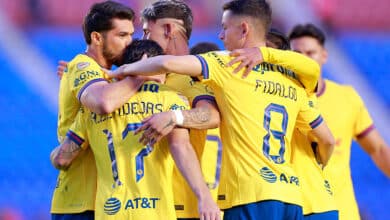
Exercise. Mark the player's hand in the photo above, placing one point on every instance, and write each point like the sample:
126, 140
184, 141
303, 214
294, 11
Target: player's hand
248, 58
61, 68
208, 209
117, 73
156, 127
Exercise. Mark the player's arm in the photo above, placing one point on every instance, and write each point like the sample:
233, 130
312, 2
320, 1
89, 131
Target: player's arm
310, 120
62, 156
307, 70
373, 143
325, 142
205, 115
185, 65
103, 97
188, 164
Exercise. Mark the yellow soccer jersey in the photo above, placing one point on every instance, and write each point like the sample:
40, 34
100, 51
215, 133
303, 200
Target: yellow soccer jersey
316, 190
349, 120
134, 181
76, 187
258, 118
185, 201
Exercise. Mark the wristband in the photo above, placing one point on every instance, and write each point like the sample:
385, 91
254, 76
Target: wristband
179, 117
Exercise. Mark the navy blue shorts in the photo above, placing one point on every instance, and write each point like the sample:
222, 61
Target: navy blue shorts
87, 215
331, 215
270, 210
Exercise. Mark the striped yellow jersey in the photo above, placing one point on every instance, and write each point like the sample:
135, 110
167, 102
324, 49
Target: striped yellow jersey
76, 187
348, 118
134, 181
259, 115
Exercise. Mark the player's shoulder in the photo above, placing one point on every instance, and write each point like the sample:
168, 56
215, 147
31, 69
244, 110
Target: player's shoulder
345, 89
82, 62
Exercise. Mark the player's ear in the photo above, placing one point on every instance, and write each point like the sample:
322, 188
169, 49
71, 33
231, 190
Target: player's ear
244, 29
96, 38
168, 30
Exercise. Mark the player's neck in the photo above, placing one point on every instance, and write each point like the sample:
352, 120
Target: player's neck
321, 87
178, 46
254, 43
98, 57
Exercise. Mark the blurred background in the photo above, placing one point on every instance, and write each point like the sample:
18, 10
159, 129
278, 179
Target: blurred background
35, 34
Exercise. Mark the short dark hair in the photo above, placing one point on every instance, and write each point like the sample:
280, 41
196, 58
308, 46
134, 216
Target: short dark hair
100, 15
203, 47
138, 48
307, 30
170, 9
258, 9
278, 38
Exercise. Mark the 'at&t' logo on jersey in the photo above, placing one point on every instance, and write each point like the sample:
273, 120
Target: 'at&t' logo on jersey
113, 205
269, 176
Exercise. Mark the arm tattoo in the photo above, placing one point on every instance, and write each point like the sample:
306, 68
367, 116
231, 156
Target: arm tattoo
69, 149
196, 116
170, 123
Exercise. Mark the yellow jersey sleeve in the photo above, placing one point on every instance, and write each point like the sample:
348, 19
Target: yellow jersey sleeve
309, 116
213, 62
307, 70
85, 72
78, 130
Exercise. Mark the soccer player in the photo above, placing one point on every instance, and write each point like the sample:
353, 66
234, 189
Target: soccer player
258, 116
127, 170
318, 201
108, 29
354, 122
277, 39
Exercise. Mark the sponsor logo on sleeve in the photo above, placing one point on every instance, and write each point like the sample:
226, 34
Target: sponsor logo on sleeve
82, 65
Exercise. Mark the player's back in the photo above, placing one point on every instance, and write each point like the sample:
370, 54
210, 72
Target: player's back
259, 114
134, 180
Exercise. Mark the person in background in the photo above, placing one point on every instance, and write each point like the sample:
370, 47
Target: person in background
348, 119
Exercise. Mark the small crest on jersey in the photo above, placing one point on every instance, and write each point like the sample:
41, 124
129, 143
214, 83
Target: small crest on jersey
82, 65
